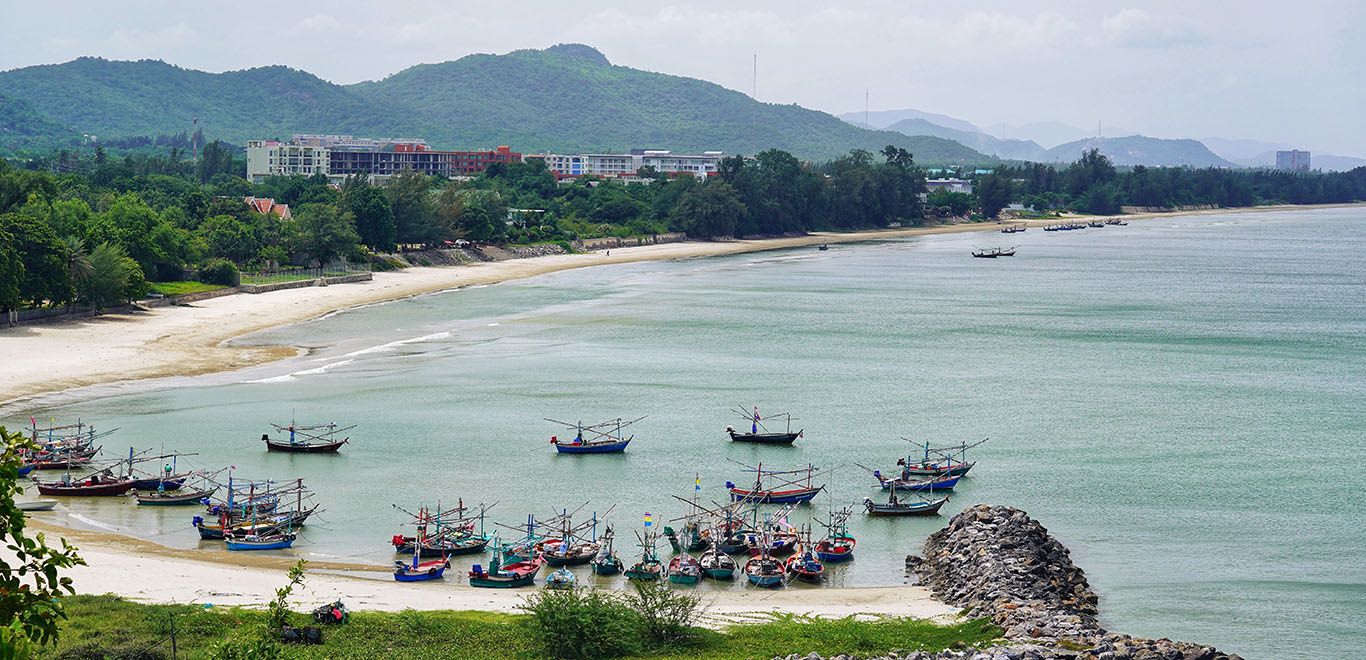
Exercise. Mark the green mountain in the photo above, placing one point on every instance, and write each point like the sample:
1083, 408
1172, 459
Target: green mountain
1141, 150
564, 98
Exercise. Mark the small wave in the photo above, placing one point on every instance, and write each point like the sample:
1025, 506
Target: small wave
395, 344
93, 523
322, 369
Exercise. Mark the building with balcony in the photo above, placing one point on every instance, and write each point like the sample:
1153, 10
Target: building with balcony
565, 166
340, 156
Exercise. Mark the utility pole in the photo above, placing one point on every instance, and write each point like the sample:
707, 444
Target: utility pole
866, 124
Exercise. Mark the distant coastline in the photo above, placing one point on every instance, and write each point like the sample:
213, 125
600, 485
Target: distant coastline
190, 340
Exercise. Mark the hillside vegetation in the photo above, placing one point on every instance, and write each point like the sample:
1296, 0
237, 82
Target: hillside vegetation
565, 98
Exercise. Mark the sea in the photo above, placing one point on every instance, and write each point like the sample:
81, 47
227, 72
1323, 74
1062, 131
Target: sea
1181, 401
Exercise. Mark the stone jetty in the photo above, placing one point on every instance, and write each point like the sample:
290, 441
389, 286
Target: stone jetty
998, 563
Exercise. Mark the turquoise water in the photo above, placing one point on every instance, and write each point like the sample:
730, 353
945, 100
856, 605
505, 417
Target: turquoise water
1180, 401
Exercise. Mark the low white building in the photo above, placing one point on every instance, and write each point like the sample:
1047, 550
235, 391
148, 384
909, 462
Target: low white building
951, 185
626, 165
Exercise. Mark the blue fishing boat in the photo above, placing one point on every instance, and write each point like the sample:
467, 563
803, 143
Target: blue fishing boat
260, 542
916, 485
562, 578
25, 469
838, 544
604, 438
420, 571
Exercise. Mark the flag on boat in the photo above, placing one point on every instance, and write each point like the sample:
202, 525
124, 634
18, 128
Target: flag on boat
697, 483
649, 520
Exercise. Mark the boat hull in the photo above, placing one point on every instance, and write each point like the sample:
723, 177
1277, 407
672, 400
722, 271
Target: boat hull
164, 484
775, 496
423, 572
36, 505
765, 438
179, 499
599, 448
607, 568
919, 509
263, 544
920, 486
647, 573
95, 490
471, 548
958, 470
300, 448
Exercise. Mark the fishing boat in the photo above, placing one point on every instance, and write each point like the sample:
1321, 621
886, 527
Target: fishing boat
96, 485
838, 544
417, 570
649, 568
788, 489
562, 578
257, 507
992, 253
62, 459
1095, 223
603, 438
895, 507
1116, 221
420, 571
314, 439
916, 485
36, 505
761, 435
444, 533
571, 545
765, 571
504, 576
174, 498
804, 564
717, 565
823, 247
270, 541
947, 461
696, 536
684, 569
25, 469
1013, 229
606, 562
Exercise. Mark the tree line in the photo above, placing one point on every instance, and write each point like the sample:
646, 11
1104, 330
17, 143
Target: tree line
99, 229
1093, 184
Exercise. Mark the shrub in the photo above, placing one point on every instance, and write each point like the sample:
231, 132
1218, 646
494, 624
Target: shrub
219, 271
584, 623
667, 615
107, 652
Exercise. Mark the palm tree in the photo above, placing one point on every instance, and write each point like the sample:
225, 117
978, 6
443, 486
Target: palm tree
78, 265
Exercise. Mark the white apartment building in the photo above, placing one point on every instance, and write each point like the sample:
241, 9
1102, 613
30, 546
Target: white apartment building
623, 165
271, 158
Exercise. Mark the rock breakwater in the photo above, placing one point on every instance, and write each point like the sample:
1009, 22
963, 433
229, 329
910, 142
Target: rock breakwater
996, 562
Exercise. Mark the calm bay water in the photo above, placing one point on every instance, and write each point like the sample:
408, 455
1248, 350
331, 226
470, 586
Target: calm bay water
1181, 401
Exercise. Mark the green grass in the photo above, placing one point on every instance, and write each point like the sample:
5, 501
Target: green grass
182, 288
113, 624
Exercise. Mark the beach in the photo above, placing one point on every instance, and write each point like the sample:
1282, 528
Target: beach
252, 581
189, 340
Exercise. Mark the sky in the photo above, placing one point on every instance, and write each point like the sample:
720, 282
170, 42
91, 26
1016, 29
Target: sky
1283, 72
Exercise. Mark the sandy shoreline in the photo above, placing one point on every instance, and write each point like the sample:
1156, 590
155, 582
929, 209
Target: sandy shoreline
251, 580
188, 340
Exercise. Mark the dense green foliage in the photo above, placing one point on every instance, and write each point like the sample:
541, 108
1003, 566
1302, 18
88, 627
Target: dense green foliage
31, 585
110, 627
1093, 184
565, 98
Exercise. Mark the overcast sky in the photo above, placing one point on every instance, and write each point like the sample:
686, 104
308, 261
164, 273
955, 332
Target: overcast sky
1280, 71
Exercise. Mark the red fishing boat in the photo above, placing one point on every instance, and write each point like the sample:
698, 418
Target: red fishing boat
94, 485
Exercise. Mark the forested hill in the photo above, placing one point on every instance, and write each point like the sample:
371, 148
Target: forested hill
564, 98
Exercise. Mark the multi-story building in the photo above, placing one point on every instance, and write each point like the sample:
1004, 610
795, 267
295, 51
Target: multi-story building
1294, 160
626, 165
271, 158
340, 156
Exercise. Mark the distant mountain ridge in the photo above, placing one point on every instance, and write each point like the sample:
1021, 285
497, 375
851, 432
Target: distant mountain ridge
1142, 150
565, 98
987, 144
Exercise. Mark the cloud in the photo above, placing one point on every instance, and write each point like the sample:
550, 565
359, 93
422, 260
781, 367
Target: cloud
1136, 28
